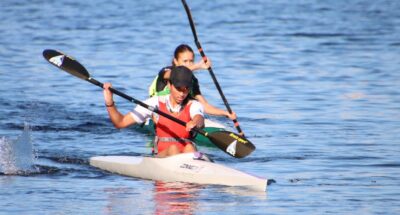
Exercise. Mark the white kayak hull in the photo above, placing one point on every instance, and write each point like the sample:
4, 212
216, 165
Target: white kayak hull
181, 168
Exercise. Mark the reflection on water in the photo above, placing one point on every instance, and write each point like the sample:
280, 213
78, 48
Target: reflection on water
175, 197
156, 198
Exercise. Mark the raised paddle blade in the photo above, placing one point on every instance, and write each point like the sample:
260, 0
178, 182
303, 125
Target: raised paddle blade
231, 143
66, 63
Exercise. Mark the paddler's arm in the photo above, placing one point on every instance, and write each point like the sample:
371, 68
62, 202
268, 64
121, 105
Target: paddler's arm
197, 121
201, 65
119, 120
209, 109
196, 116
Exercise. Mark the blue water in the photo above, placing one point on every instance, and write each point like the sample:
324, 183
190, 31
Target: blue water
315, 85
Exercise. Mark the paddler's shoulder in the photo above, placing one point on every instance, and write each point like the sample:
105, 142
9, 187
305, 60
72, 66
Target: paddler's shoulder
162, 98
163, 71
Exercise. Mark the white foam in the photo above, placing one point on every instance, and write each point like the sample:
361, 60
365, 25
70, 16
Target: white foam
17, 156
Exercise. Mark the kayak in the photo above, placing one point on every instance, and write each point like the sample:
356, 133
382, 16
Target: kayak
187, 167
210, 127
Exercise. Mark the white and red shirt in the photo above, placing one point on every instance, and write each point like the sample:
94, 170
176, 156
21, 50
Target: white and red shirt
140, 114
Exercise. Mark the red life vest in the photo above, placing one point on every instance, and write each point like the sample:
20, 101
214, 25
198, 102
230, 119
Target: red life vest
169, 132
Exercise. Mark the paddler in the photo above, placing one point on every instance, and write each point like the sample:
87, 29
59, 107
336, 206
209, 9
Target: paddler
171, 137
184, 56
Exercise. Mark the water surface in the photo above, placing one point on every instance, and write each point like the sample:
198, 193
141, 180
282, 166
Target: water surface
315, 86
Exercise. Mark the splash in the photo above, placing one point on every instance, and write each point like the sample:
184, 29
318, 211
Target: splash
17, 156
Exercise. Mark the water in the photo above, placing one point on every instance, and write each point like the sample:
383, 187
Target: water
17, 156
315, 86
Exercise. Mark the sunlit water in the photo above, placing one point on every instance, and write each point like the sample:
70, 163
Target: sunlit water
315, 85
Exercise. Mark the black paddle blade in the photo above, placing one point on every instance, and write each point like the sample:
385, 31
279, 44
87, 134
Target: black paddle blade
232, 143
66, 63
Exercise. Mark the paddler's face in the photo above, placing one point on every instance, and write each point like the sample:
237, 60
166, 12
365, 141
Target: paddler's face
184, 59
178, 94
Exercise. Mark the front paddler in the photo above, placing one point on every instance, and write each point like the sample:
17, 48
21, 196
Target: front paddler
171, 137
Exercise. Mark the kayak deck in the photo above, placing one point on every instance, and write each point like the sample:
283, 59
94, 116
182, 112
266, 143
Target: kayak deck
185, 167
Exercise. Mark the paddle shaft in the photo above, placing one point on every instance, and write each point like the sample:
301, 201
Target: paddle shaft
203, 55
153, 109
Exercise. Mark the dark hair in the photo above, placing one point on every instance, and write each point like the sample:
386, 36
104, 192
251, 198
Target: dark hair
180, 49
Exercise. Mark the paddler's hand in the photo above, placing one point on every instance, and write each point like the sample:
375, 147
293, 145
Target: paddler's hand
108, 95
231, 116
206, 64
190, 125
197, 121
201, 64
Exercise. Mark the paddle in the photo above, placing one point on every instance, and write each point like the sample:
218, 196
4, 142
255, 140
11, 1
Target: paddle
203, 55
229, 142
